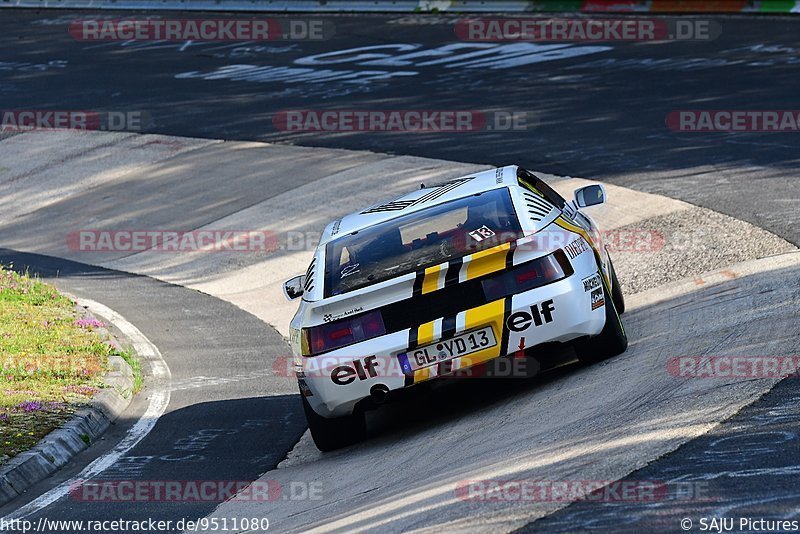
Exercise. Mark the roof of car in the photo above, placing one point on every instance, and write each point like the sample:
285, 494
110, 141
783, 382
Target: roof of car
419, 199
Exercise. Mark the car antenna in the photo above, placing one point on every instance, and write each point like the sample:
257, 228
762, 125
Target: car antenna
422, 186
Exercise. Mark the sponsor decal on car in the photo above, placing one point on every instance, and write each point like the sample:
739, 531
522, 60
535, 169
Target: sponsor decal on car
481, 233
361, 369
590, 283
574, 248
305, 391
539, 314
328, 317
597, 299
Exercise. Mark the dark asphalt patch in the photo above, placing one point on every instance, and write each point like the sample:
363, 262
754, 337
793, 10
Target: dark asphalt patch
745, 468
600, 115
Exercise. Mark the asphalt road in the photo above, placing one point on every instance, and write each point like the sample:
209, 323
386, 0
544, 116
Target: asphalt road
596, 110
229, 418
747, 468
593, 112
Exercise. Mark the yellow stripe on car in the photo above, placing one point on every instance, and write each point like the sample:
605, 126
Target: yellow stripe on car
565, 224
487, 315
430, 282
425, 333
491, 314
487, 261
420, 375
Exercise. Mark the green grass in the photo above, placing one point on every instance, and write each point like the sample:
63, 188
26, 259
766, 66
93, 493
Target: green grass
131, 359
52, 361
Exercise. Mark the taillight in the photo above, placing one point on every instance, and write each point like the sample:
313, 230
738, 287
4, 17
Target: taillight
330, 336
527, 276
532, 274
341, 333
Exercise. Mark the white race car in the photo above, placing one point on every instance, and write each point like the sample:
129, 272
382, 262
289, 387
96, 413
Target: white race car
442, 281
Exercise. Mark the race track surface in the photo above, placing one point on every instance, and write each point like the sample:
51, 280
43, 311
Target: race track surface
595, 110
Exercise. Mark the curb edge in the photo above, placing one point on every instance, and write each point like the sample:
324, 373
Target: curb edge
58, 447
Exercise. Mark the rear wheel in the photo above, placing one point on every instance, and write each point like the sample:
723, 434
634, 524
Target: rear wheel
335, 433
611, 341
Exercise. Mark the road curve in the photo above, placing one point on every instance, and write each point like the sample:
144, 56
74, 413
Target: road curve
596, 110
584, 424
598, 423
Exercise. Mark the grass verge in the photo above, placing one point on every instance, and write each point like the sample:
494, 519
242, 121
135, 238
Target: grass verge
52, 360
135, 364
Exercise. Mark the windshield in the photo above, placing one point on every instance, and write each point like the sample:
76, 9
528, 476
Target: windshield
419, 240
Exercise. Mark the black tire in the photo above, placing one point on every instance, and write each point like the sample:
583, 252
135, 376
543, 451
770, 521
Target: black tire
611, 341
335, 433
616, 290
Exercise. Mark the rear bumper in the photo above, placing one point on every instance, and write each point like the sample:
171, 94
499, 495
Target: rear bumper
559, 312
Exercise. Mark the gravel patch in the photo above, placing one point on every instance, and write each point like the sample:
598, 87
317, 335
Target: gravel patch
687, 243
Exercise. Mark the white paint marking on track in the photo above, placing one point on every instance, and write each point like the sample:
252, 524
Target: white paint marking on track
159, 400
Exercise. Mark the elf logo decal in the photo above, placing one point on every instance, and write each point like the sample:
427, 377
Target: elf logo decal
539, 314
597, 299
576, 247
345, 374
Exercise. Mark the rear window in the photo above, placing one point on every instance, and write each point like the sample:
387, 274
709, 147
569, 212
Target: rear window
418, 240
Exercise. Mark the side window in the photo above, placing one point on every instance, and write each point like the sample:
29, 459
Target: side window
533, 183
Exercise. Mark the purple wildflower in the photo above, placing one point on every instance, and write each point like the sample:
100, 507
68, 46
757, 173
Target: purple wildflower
89, 323
30, 406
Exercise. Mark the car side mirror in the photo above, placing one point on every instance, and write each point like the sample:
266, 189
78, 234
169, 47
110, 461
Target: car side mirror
293, 287
591, 195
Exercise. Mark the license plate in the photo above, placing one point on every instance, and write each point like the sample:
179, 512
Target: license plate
447, 349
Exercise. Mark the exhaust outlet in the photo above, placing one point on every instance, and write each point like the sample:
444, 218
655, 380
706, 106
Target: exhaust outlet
378, 393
